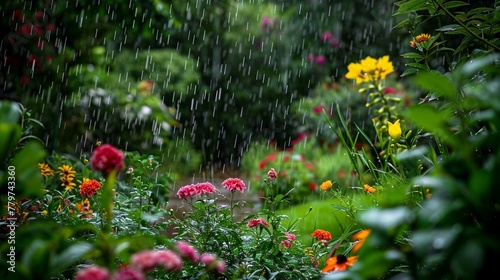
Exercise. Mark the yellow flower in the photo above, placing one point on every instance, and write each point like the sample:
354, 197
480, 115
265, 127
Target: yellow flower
394, 130
68, 184
66, 171
326, 185
370, 69
45, 170
419, 39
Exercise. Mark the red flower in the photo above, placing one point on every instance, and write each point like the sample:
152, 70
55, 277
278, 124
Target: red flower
232, 184
89, 187
322, 235
107, 158
389, 90
258, 221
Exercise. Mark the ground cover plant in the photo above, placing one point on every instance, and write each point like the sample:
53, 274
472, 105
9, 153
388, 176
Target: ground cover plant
390, 174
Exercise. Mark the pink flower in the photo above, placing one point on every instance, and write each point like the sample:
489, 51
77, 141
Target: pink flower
290, 236
320, 59
168, 259
92, 273
326, 36
208, 258
233, 184
187, 251
213, 262
310, 58
144, 260
107, 158
286, 243
220, 267
258, 221
266, 24
272, 175
196, 189
128, 274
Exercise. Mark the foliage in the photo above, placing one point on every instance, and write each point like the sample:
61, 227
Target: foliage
301, 169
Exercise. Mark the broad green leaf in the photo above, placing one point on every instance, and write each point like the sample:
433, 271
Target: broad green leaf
432, 120
386, 219
454, 4
28, 177
437, 83
69, 256
412, 6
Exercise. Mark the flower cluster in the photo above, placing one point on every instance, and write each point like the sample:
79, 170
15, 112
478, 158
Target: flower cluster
107, 158
147, 260
370, 69
196, 189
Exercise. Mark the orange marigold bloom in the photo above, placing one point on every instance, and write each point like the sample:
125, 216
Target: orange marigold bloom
369, 188
360, 236
326, 185
89, 187
339, 263
419, 39
322, 235
84, 208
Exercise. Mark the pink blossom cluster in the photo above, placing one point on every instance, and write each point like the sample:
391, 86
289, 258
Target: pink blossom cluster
318, 59
107, 158
196, 189
288, 242
256, 222
147, 260
327, 37
233, 184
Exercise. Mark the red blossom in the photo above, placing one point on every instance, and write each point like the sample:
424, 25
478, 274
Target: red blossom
107, 158
233, 184
89, 188
258, 221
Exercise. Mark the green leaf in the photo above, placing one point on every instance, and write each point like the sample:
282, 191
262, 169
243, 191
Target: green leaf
454, 4
437, 83
28, 177
69, 256
386, 219
412, 6
432, 120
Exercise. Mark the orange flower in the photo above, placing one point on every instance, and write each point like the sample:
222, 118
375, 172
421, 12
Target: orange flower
360, 237
419, 39
84, 208
339, 263
322, 235
326, 185
369, 188
89, 187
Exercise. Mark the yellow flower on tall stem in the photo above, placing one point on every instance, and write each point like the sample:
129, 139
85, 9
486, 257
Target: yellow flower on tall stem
370, 69
394, 130
326, 185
